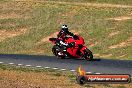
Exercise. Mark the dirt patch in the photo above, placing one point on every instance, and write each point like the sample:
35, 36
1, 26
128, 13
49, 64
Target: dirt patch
17, 79
46, 39
93, 44
103, 55
20, 79
121, 18
122, 56
96, 54
113, 34
83, 4
106, 55
128, 42
4, 34
11, 24
10, 16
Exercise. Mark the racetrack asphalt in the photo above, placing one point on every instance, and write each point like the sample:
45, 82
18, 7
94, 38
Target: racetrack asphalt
103, 66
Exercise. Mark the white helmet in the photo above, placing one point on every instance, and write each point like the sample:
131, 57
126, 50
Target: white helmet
64, 28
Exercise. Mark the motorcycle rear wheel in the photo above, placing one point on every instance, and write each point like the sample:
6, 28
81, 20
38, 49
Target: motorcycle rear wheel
55, 50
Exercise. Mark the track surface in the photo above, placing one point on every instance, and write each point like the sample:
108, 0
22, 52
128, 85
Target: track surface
98, 65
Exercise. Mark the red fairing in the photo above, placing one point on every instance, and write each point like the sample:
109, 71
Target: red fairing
79, 41
74, 49
83, 48
69, 40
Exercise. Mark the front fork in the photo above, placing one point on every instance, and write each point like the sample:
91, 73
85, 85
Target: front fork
83, 51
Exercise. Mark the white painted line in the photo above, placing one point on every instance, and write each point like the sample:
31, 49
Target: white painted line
1, 62
54, 68
28, 65
88, 72
20, 64
38, 66
62, 69
97, 73
46, 67
11, 63
72, 70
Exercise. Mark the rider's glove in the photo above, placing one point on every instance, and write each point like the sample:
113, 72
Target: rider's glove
57, 42
75, 37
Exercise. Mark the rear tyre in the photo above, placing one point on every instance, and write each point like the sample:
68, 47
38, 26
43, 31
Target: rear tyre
88, 55
55, 50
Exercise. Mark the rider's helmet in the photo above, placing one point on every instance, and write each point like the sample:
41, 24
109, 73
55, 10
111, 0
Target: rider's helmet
63, 32
64, 28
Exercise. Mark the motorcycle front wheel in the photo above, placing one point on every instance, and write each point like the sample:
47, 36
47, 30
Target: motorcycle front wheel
88, 55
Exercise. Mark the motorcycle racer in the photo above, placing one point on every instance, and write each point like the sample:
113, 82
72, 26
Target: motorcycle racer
64, 29
78, 40
69, 45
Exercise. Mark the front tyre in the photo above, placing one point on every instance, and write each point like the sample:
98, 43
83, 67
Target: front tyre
88, 55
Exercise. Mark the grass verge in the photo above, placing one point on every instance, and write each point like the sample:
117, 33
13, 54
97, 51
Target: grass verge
31, 77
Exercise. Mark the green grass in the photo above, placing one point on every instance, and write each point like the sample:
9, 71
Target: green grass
69, 74
30, 69
45, 18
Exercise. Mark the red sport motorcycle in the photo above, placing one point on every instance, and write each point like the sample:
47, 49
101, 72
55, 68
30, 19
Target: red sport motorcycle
76, 49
